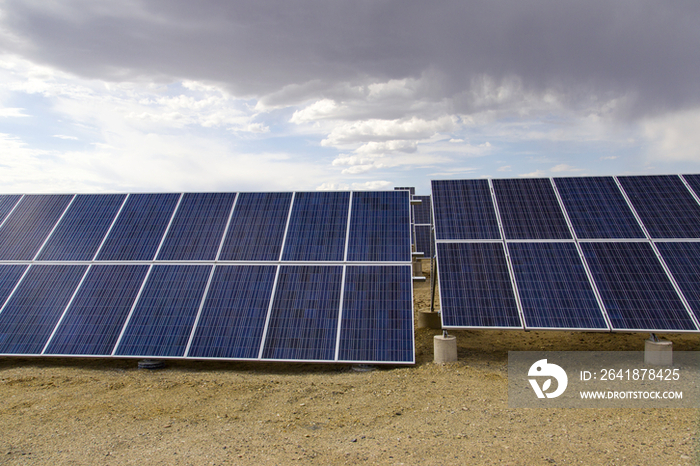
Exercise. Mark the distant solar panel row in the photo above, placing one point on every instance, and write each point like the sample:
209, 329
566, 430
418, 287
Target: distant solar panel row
590, 253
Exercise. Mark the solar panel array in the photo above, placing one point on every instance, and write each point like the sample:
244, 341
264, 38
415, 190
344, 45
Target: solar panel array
303, 276
588, 253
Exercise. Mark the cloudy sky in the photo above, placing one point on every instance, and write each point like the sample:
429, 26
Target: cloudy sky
176, 95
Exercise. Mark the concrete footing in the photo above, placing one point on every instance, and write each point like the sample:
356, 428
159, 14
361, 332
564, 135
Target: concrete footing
429, 320
444, 349
658, 353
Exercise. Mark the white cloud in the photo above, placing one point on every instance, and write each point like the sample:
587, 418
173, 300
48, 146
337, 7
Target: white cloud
333, 187
674, 136
504, 168
12, 113
386, 130
62, 136
372, 185
535, 174
563, 167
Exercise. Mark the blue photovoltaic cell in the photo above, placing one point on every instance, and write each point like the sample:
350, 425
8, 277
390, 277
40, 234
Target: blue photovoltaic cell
664, 204
31, 314
257, 227
138, 231
317, 227
421, 212
197, 227
380, 226
694, 182
597, 208
7, 202
475, 286
9, 276
233, 317
684, 261
634, 287
304, 317
377, 322
82, 228
464, 210
26, 229
165, 312
553, 287
529, 209
97, 314
424, 240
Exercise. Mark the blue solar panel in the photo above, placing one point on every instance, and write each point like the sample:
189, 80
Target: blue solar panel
304, 317
7, 203
553, 286
380, 226
684, 261
26, 229
664, 204
597, 208
634, 287
197, 227
529, 209
165, 312
31, 314
377, 322
475, 286
694, 182
464, 210
9, 276
424, 240
421, 212
317, 227
138, 231
96, 316
82, 228
233, 317
257, 227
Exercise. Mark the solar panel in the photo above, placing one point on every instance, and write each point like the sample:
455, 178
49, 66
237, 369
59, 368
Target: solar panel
30, 315
197, 228
304, 316
380, 227
637, 293
597, 208
317, 227
421, 212
257, 227
7, 203
553, 287
30, 223
82, 228
233, 316
424, 240
9, 277
683, 259
411, 190
475, 286
694, 183
377, 315
529, 209
93, 321
666, 207
162, 319
464, 210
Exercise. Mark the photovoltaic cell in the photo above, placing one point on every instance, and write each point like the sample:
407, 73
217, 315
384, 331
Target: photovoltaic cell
597, 208
464, 210
664, 204
317, 227
380, 226
162, 320
9, 276
421, 212
424, 240
553, 286
304, 316
197, 228
377, 322
257, 227
138, 231
26, 229
82, 228
694, 182
97, 314
634, 287
475, 286
233, 317
683, 259
31, 314
529, 209
7, 202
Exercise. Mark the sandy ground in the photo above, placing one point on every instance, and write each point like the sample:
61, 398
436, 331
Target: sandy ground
62, 411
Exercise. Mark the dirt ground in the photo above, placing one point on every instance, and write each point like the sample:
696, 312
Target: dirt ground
89, 412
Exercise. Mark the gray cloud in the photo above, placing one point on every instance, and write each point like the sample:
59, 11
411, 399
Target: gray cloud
647, 52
